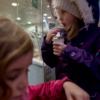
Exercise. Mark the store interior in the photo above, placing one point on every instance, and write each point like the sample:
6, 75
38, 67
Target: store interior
29, 17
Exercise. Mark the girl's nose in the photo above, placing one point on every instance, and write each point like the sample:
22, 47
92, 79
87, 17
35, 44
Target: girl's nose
23, 83
60, 18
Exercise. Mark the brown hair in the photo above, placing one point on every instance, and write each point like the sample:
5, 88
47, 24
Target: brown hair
14, 42
74, 29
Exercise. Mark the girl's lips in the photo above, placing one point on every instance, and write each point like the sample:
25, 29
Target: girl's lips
18, 97
63, 24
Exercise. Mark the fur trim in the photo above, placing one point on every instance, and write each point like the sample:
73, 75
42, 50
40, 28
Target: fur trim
85, 10
83, 6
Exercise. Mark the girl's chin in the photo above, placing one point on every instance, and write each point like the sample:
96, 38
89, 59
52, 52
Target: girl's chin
65, 28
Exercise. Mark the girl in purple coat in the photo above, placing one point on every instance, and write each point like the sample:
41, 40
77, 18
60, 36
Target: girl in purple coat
79, 57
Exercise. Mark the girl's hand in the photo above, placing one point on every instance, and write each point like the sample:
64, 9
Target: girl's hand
74, 92
58, 48
52, 33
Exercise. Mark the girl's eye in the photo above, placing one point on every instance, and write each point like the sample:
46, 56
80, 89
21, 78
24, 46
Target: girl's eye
12, 78
63, 12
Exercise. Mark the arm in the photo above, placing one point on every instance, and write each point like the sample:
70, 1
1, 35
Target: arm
47, 54
87, 64
47, 90
57, 90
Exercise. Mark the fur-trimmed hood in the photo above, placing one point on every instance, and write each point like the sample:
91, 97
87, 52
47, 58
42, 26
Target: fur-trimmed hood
95, 9
89, 9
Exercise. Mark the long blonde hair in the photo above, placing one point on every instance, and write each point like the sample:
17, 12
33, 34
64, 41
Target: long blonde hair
74, 29
14, 42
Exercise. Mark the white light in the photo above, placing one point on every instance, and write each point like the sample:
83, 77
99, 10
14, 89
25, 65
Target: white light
18, 18
29, 23
45, 14
49, 17
39, 36
48, 6
44, 20
14, 4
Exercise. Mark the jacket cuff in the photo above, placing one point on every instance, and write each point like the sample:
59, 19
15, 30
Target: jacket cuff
69, 52
46, 45
59, 86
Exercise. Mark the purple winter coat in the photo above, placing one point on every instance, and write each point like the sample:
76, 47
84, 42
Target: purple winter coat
80, 60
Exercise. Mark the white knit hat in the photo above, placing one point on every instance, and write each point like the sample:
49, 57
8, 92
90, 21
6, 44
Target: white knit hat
78, 8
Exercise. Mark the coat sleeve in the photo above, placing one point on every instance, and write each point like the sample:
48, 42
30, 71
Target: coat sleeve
47, 54
48, 91
86, 64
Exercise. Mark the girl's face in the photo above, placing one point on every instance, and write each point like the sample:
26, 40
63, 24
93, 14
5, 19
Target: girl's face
16, 75
65, 18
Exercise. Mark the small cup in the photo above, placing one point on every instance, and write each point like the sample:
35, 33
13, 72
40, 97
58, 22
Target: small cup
58, 39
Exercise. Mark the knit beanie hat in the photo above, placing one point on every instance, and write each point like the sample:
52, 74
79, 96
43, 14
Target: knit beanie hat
78, 8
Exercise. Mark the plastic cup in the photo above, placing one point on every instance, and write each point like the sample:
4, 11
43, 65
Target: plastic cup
59, 39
